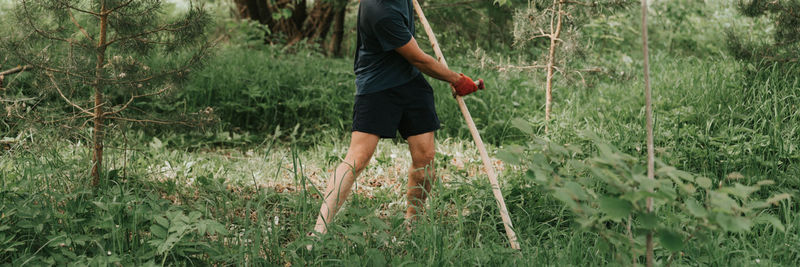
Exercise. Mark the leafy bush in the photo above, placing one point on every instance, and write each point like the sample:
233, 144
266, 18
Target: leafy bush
607, 191
119, 225
260, 90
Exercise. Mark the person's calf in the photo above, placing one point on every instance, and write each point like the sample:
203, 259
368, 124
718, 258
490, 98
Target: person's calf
419, 186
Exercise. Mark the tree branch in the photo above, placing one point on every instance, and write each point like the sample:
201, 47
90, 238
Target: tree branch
149, 121
53, 80
16, 70
592, 4
74, 21
161, 28
67, 119
453, 4
134, 97
49, 69
67, 5
195, 58
11, 71
42, 33
119, 7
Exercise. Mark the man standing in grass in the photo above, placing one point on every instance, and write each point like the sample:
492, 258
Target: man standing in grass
391, 96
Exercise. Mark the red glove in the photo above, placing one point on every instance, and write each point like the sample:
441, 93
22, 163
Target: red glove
465, 85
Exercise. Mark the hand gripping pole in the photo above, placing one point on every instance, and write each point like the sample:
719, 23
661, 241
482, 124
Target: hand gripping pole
487, 164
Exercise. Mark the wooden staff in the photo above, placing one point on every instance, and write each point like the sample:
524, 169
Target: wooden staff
487, 164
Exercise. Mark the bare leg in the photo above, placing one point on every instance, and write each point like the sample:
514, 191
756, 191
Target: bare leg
362, 145
422, 173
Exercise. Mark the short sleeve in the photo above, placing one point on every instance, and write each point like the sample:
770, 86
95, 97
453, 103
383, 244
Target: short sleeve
392, 33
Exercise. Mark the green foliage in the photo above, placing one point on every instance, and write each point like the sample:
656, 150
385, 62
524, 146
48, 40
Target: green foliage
784, 45
60, 39
463, 26
263, 90
184, 199
608, 189
121, 224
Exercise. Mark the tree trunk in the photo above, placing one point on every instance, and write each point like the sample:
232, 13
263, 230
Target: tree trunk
323, 22
300, 11
261, 12
316, 25
335, 47
97, 134
554, 34
312, 25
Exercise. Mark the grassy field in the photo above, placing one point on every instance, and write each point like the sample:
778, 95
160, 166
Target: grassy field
244, 189
252, 202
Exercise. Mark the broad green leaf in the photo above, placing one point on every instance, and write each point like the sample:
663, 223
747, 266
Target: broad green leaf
162, 221
733, 223
645, 184
723, 202
575, 190
377, 223
356, 228
561, 193
774, 221
356, 239
508, 156
688, 188
756, 204
558, 149
615, 208
648, 220
703, 182
158, 231
194, 216
695, 208
670, 239
522, 125
375, 257
540, 176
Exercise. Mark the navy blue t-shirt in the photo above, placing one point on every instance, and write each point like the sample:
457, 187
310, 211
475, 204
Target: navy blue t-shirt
383, 25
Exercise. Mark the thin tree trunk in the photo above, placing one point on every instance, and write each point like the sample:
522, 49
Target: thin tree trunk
324, 26
261, 12
301, 12
649, 124
554, 34
97, 135
338, 30
316, 25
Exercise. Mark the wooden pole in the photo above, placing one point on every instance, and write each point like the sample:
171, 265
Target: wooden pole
487, 164
554, 34
648, 92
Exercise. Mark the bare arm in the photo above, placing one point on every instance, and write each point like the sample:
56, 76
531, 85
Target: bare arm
426, 63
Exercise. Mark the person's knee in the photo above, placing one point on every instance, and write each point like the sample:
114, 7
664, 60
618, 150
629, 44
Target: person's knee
358, 160
423, 158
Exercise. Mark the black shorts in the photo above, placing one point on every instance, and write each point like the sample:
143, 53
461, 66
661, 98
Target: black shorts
407, 108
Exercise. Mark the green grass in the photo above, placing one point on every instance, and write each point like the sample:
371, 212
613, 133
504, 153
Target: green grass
711, 118
244, 190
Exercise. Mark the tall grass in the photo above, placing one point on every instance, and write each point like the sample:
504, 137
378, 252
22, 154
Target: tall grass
710, 118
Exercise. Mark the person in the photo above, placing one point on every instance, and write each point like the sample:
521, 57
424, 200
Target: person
391, 95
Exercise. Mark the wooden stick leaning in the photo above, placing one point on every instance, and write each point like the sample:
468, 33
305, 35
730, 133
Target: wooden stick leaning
648, 93
487, 164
